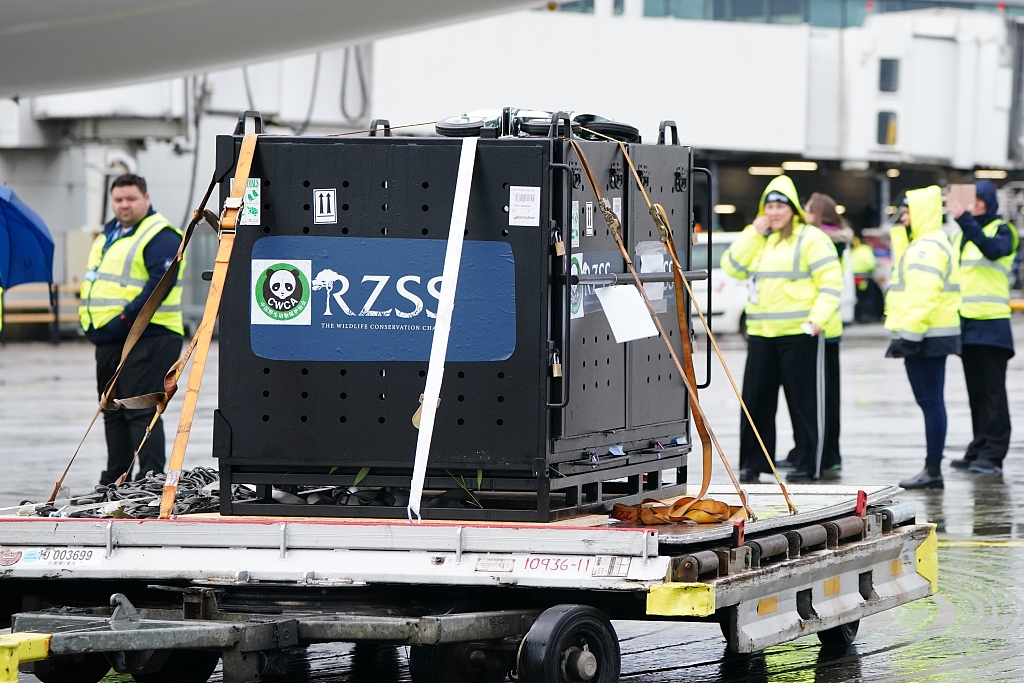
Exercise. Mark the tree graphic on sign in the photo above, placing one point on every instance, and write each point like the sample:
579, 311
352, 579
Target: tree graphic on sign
325, 279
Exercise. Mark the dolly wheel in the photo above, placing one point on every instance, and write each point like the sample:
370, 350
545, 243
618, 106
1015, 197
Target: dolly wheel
81, 669
183, 666
839, 636
452, 663
570, 643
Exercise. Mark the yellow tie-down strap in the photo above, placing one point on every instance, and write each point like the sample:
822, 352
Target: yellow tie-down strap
928, 559
681, 600
16, 648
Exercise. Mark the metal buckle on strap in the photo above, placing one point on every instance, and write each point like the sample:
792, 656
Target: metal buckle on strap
233, 203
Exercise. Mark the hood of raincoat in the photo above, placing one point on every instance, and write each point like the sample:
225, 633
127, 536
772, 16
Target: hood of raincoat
783, 184
986, 191
925, 210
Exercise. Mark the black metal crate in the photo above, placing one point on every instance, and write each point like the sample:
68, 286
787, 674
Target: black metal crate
315, 399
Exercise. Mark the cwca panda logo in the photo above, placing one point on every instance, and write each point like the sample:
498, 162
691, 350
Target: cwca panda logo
282, 292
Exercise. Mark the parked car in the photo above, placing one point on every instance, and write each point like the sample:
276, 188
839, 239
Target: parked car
728, 296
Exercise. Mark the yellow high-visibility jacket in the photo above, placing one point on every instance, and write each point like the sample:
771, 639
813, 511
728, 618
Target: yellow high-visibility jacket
115, 277
923, 299
985, 284
792, 280
863, 257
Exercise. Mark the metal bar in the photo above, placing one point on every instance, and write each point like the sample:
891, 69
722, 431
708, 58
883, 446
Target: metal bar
710, 230
429, 630
626, 278
322, 535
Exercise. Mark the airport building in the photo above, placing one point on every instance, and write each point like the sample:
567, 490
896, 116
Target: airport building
856, 98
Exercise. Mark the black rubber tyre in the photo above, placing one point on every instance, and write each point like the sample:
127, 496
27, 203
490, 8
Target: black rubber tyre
613, 129
87, 669
559, 635
542, 127
840, 636
448, 664
183, 666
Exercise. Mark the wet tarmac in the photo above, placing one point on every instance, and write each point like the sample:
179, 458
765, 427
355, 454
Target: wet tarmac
973, 630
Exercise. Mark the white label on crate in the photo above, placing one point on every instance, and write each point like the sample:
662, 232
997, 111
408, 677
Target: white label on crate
325, 206
557, 564
50, 557
575, 232
250, 202
590, 219
610, 565
524, 205
617, 207
495, 564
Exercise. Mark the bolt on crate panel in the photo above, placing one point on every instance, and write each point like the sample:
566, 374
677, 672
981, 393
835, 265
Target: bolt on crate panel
336, 413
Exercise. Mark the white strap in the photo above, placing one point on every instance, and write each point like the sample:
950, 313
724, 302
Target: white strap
442, 325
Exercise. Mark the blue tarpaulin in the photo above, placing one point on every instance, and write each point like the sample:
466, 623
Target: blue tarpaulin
26, 247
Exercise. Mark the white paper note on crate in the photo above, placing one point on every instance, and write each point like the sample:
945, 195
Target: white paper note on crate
626, 313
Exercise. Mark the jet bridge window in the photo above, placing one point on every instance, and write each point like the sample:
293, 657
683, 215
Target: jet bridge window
889, 75
582, 6
887, 128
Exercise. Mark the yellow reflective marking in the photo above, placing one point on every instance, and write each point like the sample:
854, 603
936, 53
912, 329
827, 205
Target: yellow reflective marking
767, 605
21, 647
980, 544
928, 559
831, 586
672, 599
897, 567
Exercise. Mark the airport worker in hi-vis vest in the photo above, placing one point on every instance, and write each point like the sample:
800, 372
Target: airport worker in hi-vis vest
922, 307
125, 264
794, 284
988, 246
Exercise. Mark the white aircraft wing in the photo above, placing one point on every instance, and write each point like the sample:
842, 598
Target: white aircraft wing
57, 45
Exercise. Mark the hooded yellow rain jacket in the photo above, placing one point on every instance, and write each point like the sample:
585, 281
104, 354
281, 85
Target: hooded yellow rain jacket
923, 299
792, 280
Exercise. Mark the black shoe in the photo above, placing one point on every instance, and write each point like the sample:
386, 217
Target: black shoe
786, 464
798, 477
832, 473
984, 467
961, 463
928, 478
748, 476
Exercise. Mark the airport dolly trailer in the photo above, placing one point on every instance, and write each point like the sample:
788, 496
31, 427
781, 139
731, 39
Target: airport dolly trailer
336, 285
165, 599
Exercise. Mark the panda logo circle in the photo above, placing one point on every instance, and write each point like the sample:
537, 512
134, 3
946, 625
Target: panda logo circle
282, 292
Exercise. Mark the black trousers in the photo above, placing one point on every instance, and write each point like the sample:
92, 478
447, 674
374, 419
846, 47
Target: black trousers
830, 454
790, 362
985, 372
143, 373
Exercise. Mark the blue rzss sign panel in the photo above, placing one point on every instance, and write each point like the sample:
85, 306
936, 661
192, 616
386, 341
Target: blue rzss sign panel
356, 299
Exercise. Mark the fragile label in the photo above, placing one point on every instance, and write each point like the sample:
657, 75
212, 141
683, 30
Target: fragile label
495, 564
524, 205
611, 565
575, 232
250, 214
50, 557
325, 206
